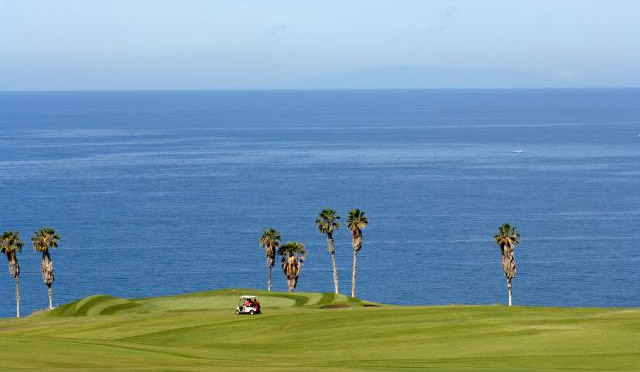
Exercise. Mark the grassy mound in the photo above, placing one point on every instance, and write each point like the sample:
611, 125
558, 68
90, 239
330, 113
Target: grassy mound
315, 331
203, 301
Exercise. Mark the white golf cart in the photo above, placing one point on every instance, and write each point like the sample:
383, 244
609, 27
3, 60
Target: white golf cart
248, 305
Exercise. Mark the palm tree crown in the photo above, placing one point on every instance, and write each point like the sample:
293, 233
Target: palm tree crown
327, 221
270, 240
294, 249
10, 243
293, 254
356, 222
44, 239
507, 236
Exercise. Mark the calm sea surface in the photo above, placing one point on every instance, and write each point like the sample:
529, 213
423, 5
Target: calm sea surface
156, 193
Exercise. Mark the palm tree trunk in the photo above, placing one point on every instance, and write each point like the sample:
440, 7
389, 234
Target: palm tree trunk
335, 271
509, 287
269, 284
17, 298
50, 297
353, 274
332, 251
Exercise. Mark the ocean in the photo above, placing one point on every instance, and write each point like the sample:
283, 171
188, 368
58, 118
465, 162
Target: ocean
158, 193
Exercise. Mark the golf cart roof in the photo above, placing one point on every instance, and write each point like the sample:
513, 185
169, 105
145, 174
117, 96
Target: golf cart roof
247, 296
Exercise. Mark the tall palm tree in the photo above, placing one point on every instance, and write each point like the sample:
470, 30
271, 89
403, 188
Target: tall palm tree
293, 255
42, 241
507, 238
327, 223
270, 240
356, 222
10, 244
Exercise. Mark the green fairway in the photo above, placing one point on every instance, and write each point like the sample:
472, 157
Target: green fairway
316, 331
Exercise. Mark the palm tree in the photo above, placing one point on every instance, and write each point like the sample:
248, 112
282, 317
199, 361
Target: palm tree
293, 255
270, 240
327, 223
507, 238
356, 222
42, 240
10, 244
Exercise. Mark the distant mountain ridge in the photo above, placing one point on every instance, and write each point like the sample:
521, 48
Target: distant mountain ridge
416, 77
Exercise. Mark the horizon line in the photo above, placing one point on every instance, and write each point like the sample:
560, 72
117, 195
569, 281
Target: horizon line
312, 89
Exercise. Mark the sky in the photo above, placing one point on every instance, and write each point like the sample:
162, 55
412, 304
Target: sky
274, 44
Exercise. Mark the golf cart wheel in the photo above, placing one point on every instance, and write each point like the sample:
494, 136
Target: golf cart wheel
252, 312
237, 312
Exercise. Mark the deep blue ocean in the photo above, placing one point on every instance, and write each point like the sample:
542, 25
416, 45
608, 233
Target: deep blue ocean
156, 193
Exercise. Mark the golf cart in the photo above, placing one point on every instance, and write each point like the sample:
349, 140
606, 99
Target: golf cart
248, 305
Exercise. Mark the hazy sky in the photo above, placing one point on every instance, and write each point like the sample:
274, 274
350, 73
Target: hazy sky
209, 44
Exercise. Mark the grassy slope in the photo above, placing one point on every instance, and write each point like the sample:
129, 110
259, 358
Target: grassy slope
199, 332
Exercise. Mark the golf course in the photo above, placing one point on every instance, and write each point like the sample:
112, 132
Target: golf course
315, 331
